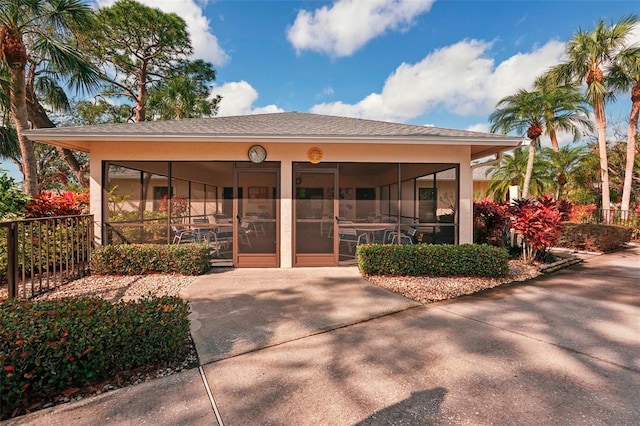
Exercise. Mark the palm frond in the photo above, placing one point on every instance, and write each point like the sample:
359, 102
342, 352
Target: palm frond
82, 76
52, 93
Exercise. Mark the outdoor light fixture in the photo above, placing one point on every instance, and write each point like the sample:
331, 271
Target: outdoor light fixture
314, 155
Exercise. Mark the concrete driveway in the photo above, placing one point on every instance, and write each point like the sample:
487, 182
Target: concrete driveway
309, 347
563, 349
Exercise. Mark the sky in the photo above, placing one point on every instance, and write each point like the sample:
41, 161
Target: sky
443, 63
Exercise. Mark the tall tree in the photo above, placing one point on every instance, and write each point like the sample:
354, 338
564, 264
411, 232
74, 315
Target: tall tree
185, 94
512, 169
561, 164
625, 76
40, 29
565, 109
589, 54
522, 112
140, 47
9, 146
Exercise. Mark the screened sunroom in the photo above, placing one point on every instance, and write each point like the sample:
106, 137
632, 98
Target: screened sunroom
280, 190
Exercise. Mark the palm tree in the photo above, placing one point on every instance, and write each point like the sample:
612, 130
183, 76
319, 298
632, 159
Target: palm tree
511, 170
9, 148
625, 76
589, 54
565, 110
561, 164
185, 93
521, 112
40, 30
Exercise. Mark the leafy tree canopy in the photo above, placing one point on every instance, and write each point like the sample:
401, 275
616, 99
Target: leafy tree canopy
144, 55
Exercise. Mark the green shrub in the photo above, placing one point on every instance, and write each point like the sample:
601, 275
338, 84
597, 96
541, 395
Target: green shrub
137, 259
49, 346
435, 260
594, 237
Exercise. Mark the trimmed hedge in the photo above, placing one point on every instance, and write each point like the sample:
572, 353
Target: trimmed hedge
594, 237
49, 346
435, 260
138, 259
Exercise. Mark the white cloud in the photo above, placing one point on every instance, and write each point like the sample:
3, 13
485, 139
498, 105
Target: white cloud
238, 98
205, 43
479, 127
327, 91
347, 25
461, 78
634, 38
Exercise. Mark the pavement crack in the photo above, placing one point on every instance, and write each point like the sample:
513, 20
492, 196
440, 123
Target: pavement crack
210, 395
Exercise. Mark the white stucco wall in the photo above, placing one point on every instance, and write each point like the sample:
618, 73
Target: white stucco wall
286, 154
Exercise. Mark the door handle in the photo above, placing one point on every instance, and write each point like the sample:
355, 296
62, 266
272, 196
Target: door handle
239, 220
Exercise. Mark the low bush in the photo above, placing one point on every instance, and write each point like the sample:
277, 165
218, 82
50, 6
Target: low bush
435, 260
137, 259
50, 346
594, 237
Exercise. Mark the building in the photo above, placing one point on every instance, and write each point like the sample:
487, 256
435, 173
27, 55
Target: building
280, 190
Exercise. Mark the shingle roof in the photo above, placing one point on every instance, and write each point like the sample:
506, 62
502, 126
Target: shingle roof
286, 124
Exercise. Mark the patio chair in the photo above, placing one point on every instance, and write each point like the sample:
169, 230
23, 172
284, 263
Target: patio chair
221, 218
351, 237
216, 245
184, 235
392, 238
202, 234
244, 232
257, 226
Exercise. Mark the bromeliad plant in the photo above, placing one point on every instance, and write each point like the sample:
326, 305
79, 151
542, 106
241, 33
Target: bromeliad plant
62, 203
539, 223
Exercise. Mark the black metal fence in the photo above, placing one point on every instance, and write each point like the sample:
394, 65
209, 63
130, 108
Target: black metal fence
629, 218
41, 254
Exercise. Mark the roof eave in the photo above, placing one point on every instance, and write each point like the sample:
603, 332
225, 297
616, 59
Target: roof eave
80, 141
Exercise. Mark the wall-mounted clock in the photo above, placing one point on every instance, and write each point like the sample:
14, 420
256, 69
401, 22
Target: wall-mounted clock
257, 154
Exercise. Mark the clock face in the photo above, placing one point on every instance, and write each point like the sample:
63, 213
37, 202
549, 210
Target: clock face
257, 154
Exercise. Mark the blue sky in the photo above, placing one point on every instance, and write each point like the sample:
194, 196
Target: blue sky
444, 63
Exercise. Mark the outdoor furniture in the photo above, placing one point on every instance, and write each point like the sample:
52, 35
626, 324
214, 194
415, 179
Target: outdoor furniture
221, 218
350, 236
256, 224
244, 232
184, 235
391, 237
215, 244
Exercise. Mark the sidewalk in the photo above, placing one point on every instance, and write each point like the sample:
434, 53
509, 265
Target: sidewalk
561, 349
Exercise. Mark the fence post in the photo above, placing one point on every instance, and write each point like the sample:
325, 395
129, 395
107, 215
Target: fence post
12, 260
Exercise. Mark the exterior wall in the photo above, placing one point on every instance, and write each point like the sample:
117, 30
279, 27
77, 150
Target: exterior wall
285, 153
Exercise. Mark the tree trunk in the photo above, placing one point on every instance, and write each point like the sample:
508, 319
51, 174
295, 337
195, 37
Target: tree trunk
40, 120
554, 140
20, 120
529, 172
141, 108
601, 123
631, 149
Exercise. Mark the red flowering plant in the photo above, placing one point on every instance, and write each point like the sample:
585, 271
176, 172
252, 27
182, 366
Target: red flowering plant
58, 203
179, 205
538, 222
582, 213
490, 219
